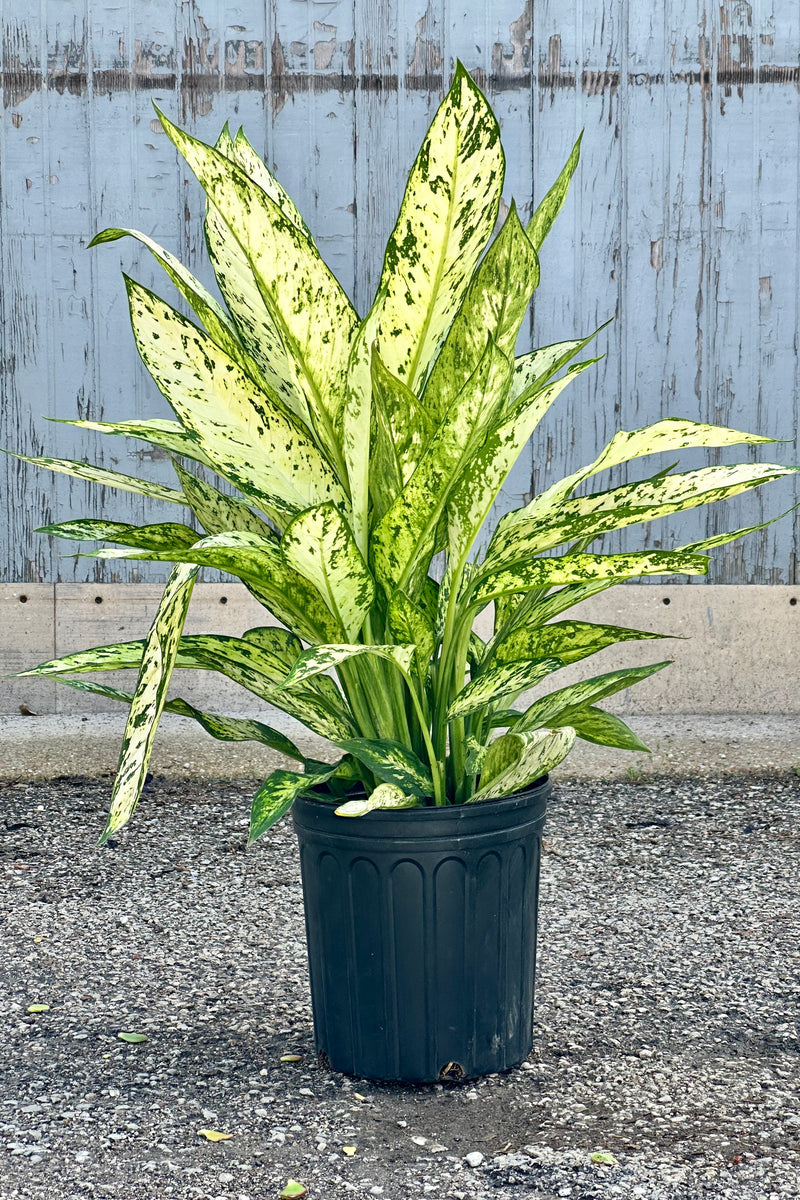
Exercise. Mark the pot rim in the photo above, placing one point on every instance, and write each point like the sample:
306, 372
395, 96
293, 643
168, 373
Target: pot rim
500, 804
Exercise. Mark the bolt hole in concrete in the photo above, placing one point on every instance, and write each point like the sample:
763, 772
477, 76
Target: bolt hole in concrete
665, 600
98, 599
23, 599
793, 601
223, 599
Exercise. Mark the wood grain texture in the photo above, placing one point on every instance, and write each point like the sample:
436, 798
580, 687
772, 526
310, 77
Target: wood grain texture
682, 223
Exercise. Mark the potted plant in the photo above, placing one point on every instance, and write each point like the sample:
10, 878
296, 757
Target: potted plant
365, 456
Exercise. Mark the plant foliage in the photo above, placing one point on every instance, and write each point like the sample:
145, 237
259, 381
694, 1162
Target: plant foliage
365, 456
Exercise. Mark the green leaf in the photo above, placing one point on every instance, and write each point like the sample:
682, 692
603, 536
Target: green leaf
158, 658
252, 439
603, 1158
542, 220
259, 563
135, 1039
569, 640
577, 568
604, 729
393, 763
38, 1008
277, 794
561, 704
318, 545
293, 1191
498, 681
225, 729
321, 658
309, 308
494, 306
218, 512
112, 479
516, 760
149, 537
408, 624
403, 542
385, 796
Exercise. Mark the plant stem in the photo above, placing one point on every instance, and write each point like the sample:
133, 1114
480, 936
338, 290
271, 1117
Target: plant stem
439, 797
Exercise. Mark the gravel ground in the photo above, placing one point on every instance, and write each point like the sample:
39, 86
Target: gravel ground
667, 1010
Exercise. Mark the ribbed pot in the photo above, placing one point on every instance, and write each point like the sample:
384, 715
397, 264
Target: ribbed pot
421, 929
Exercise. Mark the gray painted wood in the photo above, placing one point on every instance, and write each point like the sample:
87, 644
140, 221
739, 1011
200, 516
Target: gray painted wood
682, 223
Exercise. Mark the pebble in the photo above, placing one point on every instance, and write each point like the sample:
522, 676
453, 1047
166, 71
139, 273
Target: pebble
474, 1158
668, 961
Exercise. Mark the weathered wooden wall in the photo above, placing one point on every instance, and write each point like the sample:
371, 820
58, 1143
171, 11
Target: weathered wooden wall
682, 223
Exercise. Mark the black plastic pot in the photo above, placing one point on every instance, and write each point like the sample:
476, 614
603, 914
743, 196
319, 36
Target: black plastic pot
421, 928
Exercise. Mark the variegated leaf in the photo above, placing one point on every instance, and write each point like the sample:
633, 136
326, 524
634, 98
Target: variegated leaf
569, 640
393, 763
533, 370
721, 539
258, 562
494, 306
672, 433
112, 479
255, 662
404, 425
559, 705
237, 283
218, 512
149, 537
321, 658
158, 658
167, 435
486, 470
385, 796
318, 545
276, 796
409, 624
517, 760
403, 542
250, 437
604, 729
579, 568
309, 308
446, 218
499, 681
239, 150
588, 517
542, 220
212, 314
225, 729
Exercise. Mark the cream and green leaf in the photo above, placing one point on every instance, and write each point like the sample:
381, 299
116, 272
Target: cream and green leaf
344, 468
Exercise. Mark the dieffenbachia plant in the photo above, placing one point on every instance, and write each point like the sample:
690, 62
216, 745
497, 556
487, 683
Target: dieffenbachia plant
360, 460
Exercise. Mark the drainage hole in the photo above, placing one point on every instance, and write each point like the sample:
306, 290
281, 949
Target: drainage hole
23, 599
223, 599
665, 600
793, 601
452, 1070
98, 599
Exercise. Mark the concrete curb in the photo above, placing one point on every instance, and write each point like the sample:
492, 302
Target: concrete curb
50, 746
